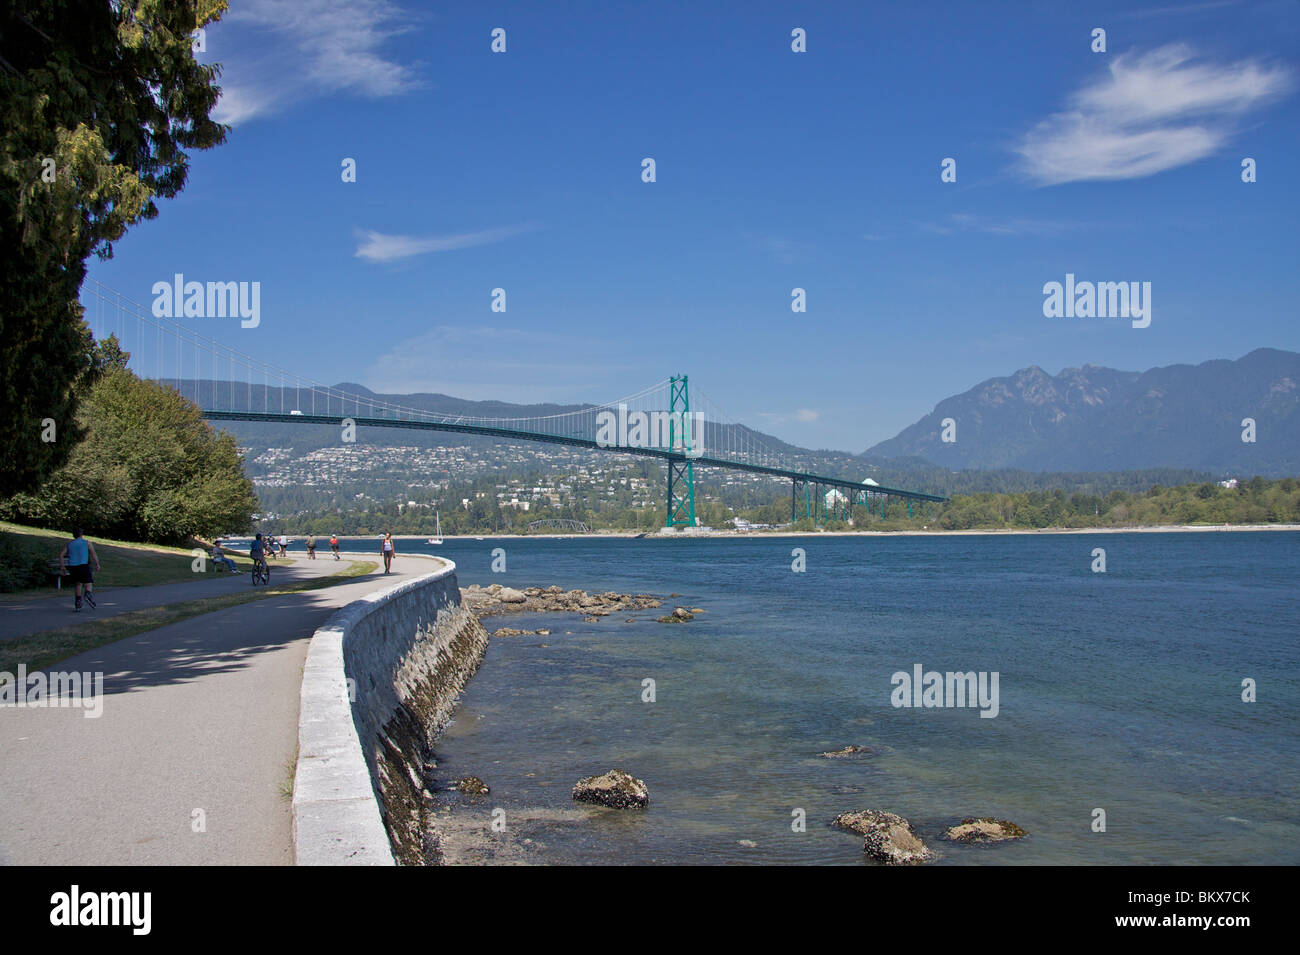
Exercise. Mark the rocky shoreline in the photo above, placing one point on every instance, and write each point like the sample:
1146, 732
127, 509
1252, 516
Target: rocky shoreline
497, 599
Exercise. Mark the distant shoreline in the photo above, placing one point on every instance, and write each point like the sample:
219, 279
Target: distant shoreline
761, 535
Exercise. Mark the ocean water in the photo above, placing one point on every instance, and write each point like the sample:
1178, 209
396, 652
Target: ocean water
1119, 691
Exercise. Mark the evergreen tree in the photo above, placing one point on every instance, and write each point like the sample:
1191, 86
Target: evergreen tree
98, 103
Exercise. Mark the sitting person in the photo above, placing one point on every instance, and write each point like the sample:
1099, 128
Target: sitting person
219, 557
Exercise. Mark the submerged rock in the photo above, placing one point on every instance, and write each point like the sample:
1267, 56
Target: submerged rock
679, 615
985, 829
887, 836
471, 786
851, 750
616, 788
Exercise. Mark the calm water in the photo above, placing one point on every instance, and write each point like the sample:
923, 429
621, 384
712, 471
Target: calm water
1119, 690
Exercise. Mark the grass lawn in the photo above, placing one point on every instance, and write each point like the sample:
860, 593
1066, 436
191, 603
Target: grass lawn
48, 647
122, 564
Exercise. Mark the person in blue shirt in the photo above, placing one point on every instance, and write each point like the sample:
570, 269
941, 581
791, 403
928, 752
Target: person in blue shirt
257, 551
75, 560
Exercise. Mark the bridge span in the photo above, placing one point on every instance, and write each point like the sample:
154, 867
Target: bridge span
812, 488
664, 421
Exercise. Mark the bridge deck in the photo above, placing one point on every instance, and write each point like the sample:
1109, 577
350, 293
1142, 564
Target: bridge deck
573, 441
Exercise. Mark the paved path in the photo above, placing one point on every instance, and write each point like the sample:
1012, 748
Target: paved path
45, 612
200, 715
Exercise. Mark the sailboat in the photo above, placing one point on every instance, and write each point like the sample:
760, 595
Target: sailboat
437, 538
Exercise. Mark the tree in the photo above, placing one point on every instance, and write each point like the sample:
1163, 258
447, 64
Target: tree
98, 103
150, 469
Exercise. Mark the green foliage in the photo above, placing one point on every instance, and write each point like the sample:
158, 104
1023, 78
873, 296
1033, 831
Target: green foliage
150, 469
24, 563
1257, 501
110, 95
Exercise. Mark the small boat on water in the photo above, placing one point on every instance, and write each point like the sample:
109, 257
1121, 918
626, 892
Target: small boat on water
437, 538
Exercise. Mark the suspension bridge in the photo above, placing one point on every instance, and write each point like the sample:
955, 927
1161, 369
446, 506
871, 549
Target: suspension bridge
664, 421
560, 524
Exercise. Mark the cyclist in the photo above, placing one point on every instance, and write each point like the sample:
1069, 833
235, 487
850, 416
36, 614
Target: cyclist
311, 546
334, 545
257, 553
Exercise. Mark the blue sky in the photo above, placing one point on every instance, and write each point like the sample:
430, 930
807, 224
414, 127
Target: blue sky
775, 170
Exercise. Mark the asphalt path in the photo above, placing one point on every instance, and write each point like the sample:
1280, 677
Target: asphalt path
195, 742
47, 612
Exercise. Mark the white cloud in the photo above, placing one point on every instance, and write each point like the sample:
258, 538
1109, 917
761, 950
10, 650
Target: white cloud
480, 363
379, 247
277, 52
1149, 113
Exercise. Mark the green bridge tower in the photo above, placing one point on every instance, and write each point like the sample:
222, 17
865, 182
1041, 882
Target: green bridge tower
681, 475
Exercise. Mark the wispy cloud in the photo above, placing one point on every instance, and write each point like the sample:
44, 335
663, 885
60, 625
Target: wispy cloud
380, 247
1150, 113
1176, 10
278, 52
803, 415
482, 363
963, 222
785, 251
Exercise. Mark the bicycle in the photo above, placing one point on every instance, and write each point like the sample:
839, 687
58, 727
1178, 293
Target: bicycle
261, 573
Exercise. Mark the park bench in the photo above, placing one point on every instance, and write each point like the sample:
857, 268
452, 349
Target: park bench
57, 573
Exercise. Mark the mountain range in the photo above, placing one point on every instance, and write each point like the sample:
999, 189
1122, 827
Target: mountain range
1100, 419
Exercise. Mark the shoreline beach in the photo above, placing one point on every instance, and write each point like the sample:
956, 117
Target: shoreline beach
732, 534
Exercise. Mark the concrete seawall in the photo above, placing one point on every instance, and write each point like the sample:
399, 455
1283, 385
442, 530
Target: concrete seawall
402, 654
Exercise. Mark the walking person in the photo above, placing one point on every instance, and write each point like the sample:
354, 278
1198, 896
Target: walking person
388, 550
311, 546
334, 545
75, 558
284, 545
